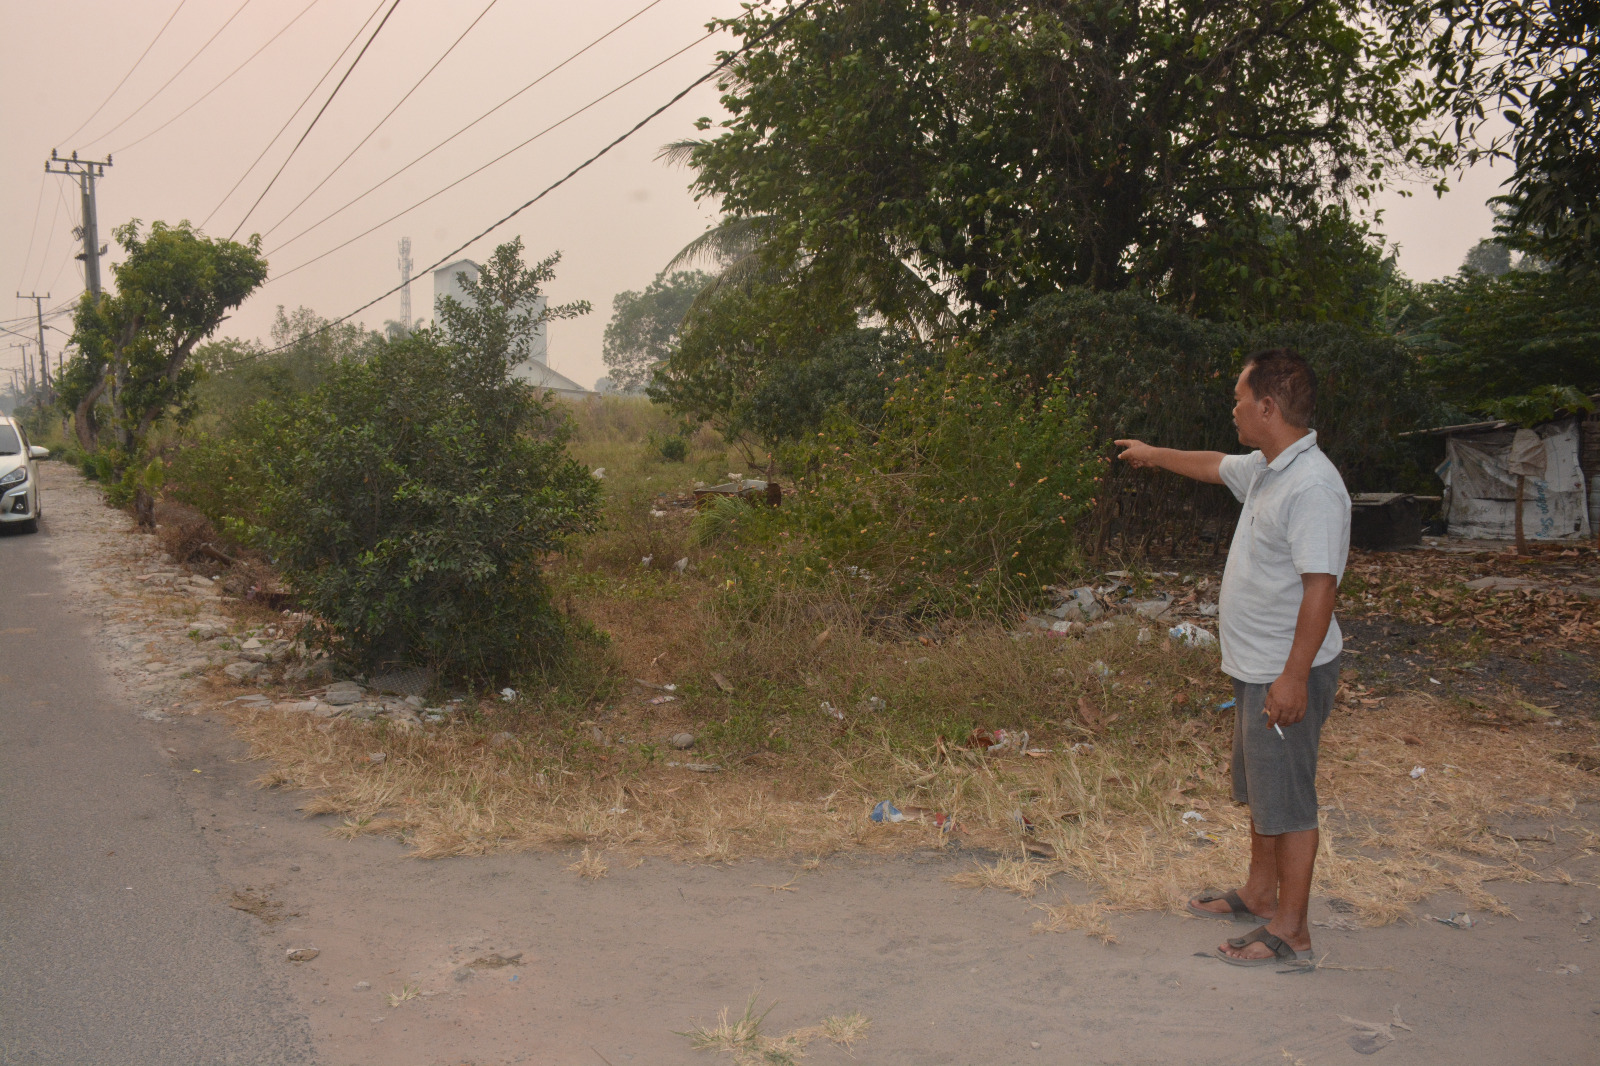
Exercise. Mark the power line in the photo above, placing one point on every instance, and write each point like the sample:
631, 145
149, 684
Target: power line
348, 45
49, 242
128, 75
38, 204
381, 121
348, 71
440, 192
553, 186
340, 210
221, 83
174, 77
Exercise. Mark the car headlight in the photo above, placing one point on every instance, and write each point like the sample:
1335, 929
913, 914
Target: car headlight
16, 477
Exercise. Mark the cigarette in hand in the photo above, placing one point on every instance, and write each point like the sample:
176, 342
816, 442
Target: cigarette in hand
1279, 730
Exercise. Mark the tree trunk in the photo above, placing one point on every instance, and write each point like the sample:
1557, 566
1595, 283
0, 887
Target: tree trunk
83, 420
1521, 544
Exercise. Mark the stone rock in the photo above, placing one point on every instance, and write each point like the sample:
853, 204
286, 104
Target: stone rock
682, 741
342, 693
1153, 608
296, 706
324, 710
377, 758
244, 671
208, 630
362, 711
250, 645
314, 672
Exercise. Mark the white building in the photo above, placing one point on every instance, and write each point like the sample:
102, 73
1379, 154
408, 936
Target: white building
535, 369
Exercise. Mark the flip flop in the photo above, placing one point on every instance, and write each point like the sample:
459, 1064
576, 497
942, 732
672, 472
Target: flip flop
1240, 913
1282, 953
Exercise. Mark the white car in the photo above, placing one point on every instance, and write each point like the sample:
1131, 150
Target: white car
19, 477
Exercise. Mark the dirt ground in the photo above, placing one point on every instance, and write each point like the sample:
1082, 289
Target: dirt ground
614, 969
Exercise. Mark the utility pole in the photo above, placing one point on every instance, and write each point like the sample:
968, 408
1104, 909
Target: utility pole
405, 283
85, 170
44, 358
27, 369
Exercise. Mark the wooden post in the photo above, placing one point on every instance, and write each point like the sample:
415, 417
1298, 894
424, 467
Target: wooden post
1521, 547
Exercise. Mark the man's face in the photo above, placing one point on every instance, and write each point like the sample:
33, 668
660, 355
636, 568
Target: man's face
1249, 414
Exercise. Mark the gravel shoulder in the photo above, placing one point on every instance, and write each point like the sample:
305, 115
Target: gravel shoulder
611, 969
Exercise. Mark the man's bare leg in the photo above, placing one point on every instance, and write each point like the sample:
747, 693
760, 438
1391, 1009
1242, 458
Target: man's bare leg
1295, 856
1260, 889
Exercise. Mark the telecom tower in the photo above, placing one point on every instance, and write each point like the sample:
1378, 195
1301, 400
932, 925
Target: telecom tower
405, 283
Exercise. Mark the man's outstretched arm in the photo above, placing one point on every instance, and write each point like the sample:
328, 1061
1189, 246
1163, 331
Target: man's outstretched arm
1202, 466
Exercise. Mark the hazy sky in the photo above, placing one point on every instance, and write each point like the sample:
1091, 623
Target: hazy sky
615, 224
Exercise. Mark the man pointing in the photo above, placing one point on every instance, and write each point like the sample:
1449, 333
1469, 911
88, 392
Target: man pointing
1280, 642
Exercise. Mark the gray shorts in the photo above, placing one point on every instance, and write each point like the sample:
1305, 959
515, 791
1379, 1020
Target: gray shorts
1277, 776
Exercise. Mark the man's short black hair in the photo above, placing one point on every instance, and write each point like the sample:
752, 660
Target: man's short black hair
1283, 374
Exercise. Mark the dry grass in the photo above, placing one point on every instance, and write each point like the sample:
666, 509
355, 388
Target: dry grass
1134, 737
591, 866
742, 1037
1089, 917
1022, 877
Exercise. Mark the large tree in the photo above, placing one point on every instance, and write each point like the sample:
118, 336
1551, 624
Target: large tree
134, 345
644, 325
1009, 150
1533, 64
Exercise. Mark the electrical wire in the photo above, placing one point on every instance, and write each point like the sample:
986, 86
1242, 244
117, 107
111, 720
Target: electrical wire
204, 96
348, 45
340, 209
128, 75
415, 86
348, 71
471, 173
49, 241
714, 72
174, 77
38, 205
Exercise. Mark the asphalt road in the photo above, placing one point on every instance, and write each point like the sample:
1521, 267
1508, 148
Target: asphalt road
114, 948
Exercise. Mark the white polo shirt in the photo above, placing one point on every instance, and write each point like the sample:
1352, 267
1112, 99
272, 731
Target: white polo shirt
1296, 520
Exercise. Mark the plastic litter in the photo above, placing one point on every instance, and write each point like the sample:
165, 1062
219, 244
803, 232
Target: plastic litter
831, 711
1457, 920
1226, 705
1191, 635
1193, 816
999, 741
1144, 636
1099, 669
681, 565
1083, 747
508, 695
886, 813
873, 705
1417, 772
658, 700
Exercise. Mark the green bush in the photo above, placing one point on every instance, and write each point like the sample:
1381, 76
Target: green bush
968, 489
411, 497
673, 449
413, 504
1162, 376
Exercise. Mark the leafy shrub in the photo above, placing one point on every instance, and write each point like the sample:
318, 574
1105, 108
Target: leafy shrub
415, 502
674, 449
969, 488
1151, 373
410, 498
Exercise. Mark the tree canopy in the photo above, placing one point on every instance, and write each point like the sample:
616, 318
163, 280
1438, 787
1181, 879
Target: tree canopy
1533, 63
644, 325
1007, 151
172, 291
